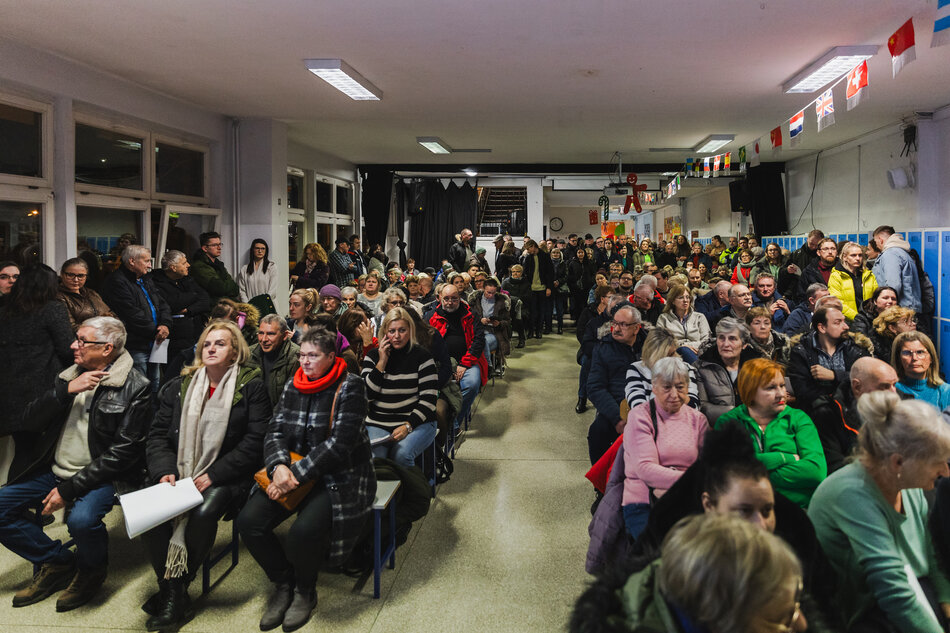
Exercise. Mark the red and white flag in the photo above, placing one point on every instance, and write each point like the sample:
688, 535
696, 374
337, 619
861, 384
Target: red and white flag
716, 162
825, 109
857, 84
754, 159
776, 137
901, 46
706, 167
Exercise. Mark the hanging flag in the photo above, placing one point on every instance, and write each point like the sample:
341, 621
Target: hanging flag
706, 167
679, 185
858, 84
795, 128
716, 162
754, 160
941, 24
825, 109
689, 166
901, 46
776, 138
727, 163
742, 160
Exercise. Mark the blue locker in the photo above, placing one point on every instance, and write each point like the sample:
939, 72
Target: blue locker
931, 258
914, 237
942, 283
852, 237
944, 346
863, 239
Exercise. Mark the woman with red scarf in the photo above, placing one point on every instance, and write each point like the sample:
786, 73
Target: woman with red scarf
317, 435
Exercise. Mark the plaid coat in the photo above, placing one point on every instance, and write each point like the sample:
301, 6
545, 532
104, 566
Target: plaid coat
341, 457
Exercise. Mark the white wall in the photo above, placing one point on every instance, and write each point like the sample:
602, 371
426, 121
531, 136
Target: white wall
710, 213
575, 220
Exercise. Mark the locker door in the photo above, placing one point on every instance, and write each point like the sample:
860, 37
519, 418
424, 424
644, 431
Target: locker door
914, 237
942, 283
852, 237
863, 239
931, 256
944, 345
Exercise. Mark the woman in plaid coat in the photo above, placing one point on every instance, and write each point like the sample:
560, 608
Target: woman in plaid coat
335, 457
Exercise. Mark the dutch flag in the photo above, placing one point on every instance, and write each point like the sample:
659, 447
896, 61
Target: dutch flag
795, 127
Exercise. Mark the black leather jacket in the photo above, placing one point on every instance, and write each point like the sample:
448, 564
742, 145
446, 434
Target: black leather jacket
118, 422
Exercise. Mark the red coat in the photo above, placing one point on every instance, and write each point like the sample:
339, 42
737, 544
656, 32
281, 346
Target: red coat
474, 338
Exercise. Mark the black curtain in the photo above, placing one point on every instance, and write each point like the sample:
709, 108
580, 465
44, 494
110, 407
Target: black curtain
377, 191
437, 214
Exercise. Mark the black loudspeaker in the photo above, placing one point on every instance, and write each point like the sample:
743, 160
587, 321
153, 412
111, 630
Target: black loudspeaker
418, 198
768, 201
740, 195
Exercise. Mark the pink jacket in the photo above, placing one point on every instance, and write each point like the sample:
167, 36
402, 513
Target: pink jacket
657, 462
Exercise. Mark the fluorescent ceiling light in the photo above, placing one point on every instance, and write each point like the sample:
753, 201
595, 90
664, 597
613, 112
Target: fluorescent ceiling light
434, 144
713, 142
470, 172
341, 76
828, 67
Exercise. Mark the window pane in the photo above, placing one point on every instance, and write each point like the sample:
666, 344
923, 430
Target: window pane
184, 229
108, 231
20, 224
324, 197
295, 242
343, 200
295, 191
21, 141
179, 171
108, 159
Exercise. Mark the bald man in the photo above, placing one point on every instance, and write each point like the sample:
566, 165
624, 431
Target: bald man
836, 416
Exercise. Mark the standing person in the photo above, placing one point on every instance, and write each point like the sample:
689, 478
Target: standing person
209, 271
9, 273
915, 360
210, 427
141, 308
580, 279
697, 256
642, 256
776, 263
871, 519
519, 290
275, 354
342, 267
589, 323
259, 277
81, 302
402, 389
850, 281
357, 255
320, 417
559, 291
895, 267
462, 251
505, 260
819, 271
807, 253
187, 302
78, 442
492, 310
540, 274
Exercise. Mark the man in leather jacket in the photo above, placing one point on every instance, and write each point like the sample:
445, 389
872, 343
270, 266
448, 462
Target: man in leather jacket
76, 445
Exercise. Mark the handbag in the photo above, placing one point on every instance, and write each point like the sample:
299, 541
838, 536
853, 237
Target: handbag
293, 498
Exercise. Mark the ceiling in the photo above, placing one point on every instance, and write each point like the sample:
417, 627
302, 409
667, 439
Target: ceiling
537, 82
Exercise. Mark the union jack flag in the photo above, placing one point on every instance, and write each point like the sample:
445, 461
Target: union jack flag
825, 109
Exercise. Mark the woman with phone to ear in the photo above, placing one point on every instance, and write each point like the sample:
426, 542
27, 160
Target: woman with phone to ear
402, 388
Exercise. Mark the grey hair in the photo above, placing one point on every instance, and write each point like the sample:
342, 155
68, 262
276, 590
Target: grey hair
170, 258
728, 325
627, 306
275, 320
134, 251
911, 428
391, 292
348, 290
646, 280
108, 329
669, 369
813, 289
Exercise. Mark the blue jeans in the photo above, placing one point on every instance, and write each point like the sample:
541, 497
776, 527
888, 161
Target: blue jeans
491, 346
687, 355
26, 538
405, 451
582, 380
152, 371
470, 384
635, 516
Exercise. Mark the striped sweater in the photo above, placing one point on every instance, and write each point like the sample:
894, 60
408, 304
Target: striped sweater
406, 392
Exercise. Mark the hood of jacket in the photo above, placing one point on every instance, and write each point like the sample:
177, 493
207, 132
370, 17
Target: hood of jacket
807, 340
896, 241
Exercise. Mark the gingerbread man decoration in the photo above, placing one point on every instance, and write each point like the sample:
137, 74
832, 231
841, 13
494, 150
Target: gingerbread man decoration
635, 198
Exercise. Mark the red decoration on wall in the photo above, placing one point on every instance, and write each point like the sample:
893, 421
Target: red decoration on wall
635, 198
592, 216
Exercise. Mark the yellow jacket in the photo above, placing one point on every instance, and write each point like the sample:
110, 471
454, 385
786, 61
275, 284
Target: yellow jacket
841, 286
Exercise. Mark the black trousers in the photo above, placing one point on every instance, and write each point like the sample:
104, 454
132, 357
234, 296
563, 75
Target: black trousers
199, 533
537, 304
600, 437
308, 540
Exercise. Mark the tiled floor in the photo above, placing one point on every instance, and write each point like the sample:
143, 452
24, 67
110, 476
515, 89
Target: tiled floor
502, 548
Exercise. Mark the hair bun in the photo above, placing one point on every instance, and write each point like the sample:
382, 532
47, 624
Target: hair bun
875, 408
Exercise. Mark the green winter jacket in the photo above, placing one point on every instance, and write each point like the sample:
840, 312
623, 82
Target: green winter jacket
214, 278
283, 369
791, 433
644, 605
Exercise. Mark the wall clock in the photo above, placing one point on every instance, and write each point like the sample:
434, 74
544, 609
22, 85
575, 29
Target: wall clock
556, 224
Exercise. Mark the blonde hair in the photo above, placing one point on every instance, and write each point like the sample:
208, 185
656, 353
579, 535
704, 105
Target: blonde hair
659, 344
309, 296
891, 316
911, 428
238, 344
932, 377
400, 314
724, 572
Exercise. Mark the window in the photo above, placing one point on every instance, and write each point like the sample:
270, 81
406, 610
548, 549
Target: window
21, 231
295, 188
108, 158
502, 210
21, 141
179, 170
324, 197
107, 231
343, 195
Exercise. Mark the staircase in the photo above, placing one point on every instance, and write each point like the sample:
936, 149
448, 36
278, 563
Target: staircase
502, 210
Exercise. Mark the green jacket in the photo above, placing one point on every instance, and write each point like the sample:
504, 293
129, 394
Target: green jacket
638, 258
283, 369
645, 607
790, 434
214, 278
245, 375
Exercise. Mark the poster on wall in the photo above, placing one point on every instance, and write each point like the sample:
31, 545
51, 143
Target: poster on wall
673, 225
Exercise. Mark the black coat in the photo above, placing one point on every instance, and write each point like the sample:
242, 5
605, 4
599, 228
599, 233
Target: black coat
119, 416
241, 453
503, 264
458, 256
560, 276
546, 269
182, 295
810, 275
580, 274
836, 418
805, 354
125, 297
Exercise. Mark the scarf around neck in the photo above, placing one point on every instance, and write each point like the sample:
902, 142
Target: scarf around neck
303, 384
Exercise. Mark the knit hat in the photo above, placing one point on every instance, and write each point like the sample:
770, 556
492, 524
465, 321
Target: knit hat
480, 251
331, 290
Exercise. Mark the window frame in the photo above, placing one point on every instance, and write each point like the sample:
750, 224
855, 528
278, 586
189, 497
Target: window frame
80, 118
132, 205
44, 197
203, 148
45, 110
166, 211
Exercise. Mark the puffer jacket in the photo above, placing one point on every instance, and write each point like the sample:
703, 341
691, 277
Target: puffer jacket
82, 305
119, 416
776, 349
693, 331
502, 314
805, 353
841, 284
717, 391
608, 375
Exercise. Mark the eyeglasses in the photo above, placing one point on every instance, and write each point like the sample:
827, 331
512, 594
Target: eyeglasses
6, 277
83, 342
450, 299
76, 276
214, 244
622, 324
311, 358
915, 353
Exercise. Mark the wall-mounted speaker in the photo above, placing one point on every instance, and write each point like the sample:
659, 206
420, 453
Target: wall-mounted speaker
900, 178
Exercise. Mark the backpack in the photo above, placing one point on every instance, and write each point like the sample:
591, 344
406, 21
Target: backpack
928, 298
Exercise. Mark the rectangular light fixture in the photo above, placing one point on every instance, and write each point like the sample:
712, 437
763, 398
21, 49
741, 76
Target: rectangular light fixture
471, 173
713, 142
434, 144
341, 76
828, 67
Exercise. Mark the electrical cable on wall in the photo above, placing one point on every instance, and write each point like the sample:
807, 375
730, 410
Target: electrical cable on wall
810, 200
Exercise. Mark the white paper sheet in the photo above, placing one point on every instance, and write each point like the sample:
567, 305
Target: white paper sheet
379, 441
146, 508
159, 353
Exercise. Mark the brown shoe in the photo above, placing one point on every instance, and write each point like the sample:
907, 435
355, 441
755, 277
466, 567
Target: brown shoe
48, 580
85, 585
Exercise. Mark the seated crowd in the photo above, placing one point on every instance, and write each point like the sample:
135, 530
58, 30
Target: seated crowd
766, 423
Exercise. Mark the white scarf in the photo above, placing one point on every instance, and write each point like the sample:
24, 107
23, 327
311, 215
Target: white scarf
201, 430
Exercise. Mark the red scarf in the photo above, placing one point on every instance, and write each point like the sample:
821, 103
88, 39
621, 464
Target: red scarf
303, 384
